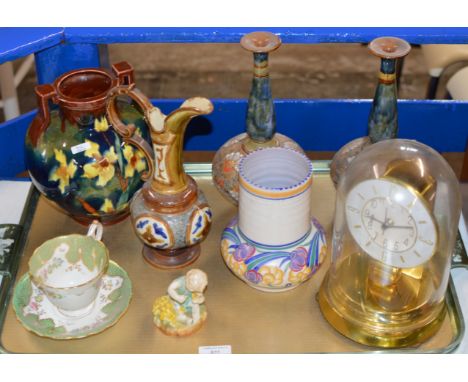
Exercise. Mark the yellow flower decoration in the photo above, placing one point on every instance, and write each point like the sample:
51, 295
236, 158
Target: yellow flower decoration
323, 253
271, 275
93, 150
163, 310
239, 268
103, 167
135, 161
299, 277
225, 246
101, 125
63, 172
107, 206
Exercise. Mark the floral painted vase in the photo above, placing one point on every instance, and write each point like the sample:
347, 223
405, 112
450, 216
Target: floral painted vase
77, 156
383, 117
274, 245
170, 214
261, 123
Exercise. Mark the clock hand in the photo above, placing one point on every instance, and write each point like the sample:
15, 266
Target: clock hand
383, 226
372, 217
400, 226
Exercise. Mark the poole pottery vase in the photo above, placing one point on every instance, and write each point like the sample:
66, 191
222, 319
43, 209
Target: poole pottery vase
182, 311
261, 123
383, 118
76, 156
274, 245
170, 214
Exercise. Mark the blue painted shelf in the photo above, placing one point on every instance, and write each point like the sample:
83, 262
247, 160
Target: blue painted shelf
288, 35
19, 42
319, 125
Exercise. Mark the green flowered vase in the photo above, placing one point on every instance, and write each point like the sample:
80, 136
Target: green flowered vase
87, 148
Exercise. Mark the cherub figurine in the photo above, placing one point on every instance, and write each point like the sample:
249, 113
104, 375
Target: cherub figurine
182, 311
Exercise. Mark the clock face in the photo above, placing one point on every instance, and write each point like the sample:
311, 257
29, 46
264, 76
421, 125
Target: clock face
391, 223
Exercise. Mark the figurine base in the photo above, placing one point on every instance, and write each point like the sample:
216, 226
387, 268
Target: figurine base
171, 259
185, 331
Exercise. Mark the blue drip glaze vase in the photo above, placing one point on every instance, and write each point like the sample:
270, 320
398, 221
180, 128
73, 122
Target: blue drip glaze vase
383, 117
260, 122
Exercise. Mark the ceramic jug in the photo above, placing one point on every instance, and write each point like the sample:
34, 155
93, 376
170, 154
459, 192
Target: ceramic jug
76, 156
170, 214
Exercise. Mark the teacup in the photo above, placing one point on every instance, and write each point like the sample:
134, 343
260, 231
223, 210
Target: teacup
69, 270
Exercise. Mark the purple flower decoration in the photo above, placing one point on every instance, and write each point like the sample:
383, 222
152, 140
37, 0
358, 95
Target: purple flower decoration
253, 276
298, 259
233, 222
243, 252
318, 226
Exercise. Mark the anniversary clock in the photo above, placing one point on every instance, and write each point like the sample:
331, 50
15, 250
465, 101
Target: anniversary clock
396, 219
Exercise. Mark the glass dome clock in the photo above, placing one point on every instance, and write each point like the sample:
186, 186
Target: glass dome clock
396, 221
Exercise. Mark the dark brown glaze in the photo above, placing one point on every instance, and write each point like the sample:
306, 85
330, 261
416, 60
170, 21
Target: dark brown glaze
79, 93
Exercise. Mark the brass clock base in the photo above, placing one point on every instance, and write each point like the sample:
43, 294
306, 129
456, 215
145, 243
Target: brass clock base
371, 332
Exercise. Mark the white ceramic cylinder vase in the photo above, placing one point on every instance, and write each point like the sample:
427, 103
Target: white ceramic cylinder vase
274, 244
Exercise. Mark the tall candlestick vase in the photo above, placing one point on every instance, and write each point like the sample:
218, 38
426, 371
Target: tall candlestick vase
383, 117
170, 215
274, 245
76, 157
261, 123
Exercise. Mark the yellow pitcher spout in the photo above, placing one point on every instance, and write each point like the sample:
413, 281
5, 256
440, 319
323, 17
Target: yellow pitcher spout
167, 134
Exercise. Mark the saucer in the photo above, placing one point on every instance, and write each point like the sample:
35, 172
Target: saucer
38, 315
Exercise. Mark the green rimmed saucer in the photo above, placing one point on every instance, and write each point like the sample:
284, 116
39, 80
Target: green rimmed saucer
38, 315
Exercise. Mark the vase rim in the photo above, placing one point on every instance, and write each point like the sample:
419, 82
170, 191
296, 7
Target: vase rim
106, 81
275, 192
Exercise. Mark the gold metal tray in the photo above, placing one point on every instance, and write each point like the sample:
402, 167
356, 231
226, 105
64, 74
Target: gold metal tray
249, 320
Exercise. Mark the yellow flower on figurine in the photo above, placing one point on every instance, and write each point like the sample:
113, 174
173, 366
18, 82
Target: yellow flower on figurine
107, 206
163, 310
299, 277
135, 161
103, 167
63, 172
101, 125
271, 275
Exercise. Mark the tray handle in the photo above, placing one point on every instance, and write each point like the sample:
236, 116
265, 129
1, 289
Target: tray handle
459, 256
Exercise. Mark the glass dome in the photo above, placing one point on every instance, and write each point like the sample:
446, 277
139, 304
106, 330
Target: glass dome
396, 220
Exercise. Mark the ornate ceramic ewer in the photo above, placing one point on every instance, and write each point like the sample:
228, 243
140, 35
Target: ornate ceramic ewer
274, 244
261, 124
383, 117
75, 156
170, 214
